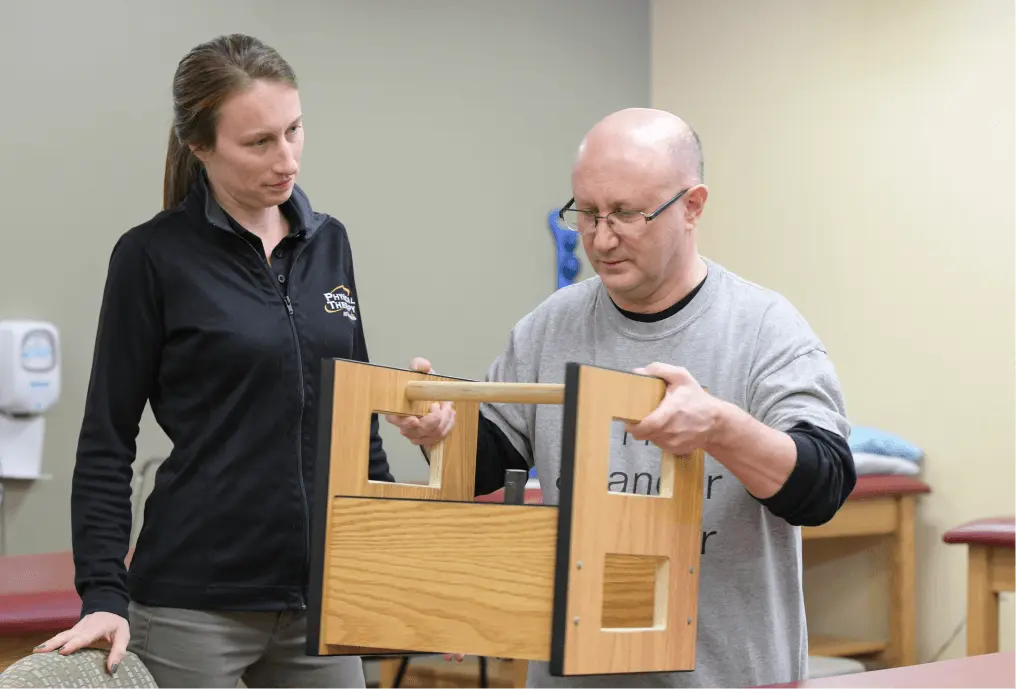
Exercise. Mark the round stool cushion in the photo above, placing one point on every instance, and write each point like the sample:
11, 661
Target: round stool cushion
84, 668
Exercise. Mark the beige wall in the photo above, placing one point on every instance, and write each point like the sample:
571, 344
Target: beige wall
860, 160
440, 132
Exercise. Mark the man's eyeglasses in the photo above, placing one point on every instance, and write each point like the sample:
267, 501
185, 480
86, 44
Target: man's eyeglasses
624, 222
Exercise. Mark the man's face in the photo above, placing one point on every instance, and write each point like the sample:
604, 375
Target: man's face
632, 265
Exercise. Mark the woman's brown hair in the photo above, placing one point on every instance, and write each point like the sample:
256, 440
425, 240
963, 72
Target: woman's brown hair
205, 77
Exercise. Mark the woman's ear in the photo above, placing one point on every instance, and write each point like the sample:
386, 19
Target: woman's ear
199, 153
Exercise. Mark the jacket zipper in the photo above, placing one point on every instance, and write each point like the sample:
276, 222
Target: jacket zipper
303, 401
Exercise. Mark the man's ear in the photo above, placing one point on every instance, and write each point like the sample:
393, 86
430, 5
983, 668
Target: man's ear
695, 203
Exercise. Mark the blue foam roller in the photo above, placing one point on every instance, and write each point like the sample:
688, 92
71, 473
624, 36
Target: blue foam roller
565, 242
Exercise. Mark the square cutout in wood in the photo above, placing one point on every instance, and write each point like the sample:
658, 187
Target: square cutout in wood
635, 591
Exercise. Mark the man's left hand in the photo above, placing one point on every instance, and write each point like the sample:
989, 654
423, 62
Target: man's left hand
687, 417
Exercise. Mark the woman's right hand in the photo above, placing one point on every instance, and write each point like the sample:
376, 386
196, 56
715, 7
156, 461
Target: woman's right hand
90, 630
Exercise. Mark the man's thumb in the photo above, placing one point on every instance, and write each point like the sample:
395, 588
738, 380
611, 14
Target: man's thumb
420, 364
670, 374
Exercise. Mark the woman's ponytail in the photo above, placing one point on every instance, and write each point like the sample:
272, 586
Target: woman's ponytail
182, 168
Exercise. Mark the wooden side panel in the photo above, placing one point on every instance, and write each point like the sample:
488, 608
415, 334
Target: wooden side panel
595, 524
350, 392
361, 389
441, 577
872, 517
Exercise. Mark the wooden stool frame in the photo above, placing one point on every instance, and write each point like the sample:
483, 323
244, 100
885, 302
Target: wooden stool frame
990, 571
602, 583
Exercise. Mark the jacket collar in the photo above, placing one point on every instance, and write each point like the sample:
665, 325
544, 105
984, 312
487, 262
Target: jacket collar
201, 202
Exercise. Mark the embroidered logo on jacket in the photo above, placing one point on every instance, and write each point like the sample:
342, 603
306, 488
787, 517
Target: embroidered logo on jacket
339, 301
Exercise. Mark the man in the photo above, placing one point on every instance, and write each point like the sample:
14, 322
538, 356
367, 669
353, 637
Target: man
772, 422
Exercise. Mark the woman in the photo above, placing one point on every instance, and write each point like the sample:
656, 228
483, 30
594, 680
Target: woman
217, 312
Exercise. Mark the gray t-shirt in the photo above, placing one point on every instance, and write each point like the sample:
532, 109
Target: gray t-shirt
747, 345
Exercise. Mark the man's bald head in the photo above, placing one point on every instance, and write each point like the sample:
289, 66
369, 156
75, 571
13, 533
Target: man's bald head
641, 161
646, 138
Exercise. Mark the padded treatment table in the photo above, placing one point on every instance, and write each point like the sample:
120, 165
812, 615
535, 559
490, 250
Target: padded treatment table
37, 600
994, 670
990, 570
881, 511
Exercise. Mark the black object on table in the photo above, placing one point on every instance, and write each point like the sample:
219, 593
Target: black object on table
515, 486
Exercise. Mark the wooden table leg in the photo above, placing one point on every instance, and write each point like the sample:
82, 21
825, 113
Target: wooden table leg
388, 669
982, 603
902, 649
520, 669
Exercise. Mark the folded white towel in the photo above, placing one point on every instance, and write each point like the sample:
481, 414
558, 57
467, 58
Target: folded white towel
868, 463
822, 666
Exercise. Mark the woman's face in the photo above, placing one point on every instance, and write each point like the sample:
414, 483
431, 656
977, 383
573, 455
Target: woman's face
259, 141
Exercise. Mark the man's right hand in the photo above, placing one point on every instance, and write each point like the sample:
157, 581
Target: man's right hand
430, 429
91, 630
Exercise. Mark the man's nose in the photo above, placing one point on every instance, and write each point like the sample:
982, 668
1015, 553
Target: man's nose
602, 236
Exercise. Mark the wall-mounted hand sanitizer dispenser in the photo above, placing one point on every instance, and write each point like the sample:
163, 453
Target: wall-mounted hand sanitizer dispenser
29, 386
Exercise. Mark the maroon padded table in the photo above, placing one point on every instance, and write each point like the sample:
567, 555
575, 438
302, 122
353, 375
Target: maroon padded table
993, 670
991, 569
37, 600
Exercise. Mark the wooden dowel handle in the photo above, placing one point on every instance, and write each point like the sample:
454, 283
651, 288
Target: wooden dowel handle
453, 391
